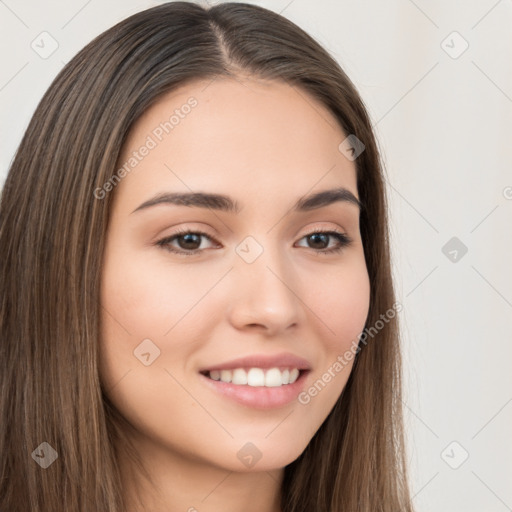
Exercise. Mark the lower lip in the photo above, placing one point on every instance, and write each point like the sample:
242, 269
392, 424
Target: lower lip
259, 397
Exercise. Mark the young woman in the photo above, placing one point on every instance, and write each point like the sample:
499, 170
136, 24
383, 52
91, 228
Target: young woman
197, 310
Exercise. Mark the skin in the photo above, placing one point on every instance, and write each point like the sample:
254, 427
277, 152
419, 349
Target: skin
265, 144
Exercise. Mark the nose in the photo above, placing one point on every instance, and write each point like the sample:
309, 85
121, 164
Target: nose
264, 295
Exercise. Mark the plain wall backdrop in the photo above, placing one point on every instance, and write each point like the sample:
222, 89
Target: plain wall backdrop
437, 80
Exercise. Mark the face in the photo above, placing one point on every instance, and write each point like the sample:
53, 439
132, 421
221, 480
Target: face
203, 334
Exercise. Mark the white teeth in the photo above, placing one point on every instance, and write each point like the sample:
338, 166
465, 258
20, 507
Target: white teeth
257, 377
239, 377
215, 375
273, 378
225, 375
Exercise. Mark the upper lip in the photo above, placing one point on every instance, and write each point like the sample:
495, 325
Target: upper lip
262, 361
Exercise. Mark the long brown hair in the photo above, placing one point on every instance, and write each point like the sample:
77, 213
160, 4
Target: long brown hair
52, 234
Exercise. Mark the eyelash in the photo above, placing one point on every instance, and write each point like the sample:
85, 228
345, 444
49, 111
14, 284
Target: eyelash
343, 241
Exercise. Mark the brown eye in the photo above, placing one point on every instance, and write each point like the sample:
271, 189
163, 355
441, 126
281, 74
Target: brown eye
188, 242
319, 241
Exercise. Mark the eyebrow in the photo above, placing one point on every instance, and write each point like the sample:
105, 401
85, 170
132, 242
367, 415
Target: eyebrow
225, 203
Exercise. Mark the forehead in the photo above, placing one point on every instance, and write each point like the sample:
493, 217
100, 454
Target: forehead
254, 135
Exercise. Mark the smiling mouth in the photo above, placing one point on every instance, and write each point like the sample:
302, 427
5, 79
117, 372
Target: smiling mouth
256, 377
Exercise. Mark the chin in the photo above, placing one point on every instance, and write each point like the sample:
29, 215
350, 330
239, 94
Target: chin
263, 454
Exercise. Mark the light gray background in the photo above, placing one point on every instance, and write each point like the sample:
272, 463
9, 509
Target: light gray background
444, 122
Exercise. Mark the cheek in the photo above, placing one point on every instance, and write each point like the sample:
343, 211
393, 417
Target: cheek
143, 298
149, 297
341, 299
